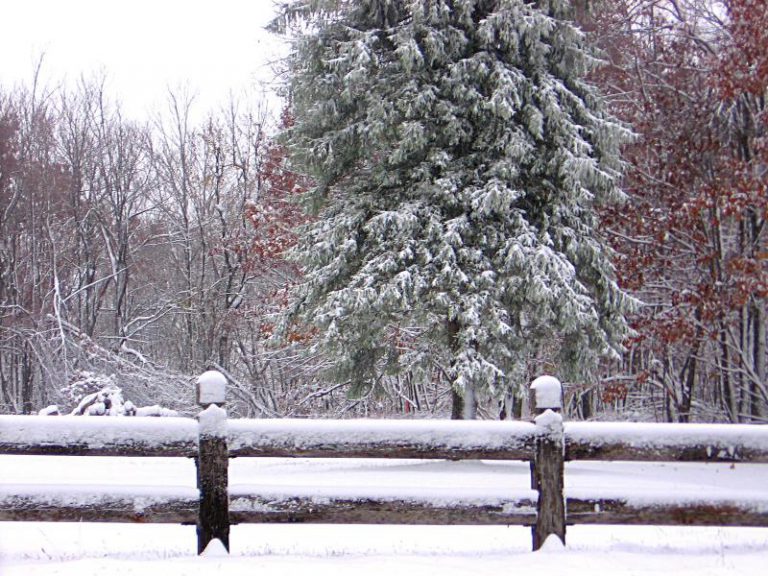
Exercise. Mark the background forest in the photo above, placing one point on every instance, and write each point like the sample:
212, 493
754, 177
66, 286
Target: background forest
136, 255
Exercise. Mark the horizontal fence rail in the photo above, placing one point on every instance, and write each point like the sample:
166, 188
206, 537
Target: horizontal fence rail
98, 436
327, 506
293, 438
212, 440
686, 512
648, 442
155, 505
426, 439
422, 439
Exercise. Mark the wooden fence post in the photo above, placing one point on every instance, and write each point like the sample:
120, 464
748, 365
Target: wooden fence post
212, 461
547, 465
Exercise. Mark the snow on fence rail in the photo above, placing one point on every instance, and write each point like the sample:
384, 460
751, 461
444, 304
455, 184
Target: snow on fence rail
212, 440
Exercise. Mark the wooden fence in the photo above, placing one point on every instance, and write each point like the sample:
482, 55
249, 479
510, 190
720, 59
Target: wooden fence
212, 440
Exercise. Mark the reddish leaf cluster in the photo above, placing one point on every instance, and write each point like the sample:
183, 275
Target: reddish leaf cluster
276, 216
690, 242
744, 59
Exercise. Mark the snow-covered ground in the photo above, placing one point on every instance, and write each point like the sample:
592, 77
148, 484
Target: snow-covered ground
77, 550
32, 549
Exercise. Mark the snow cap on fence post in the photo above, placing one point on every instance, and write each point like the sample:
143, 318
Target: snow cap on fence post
547, 394
211, 388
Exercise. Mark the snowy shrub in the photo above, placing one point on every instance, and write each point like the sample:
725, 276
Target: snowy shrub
106, 402
85, 383
98, 395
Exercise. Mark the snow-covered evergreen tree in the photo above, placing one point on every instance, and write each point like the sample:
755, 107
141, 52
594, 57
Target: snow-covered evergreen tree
459, 156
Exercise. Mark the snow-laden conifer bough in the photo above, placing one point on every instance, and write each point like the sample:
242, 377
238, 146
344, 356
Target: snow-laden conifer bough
459, 156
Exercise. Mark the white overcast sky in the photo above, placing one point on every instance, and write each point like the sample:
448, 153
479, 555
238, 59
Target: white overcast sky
213, 47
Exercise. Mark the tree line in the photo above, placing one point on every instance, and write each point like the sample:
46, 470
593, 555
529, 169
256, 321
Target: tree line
691, 79
151, 251
145, 251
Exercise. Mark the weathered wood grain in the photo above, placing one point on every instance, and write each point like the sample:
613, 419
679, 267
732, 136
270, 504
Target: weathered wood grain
615, 451
619, 511
257, 508
213, 482
548, 477
104, 509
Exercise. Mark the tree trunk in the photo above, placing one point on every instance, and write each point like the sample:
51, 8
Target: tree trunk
729, 398
688, 382
585, 401
457, 396
470, 403
758, 351
457, 405
511, 407
27, 379
742, 378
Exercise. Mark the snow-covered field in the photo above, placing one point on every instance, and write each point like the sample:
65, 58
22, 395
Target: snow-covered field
32, 549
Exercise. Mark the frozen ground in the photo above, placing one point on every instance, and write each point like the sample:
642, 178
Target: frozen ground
32, 549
